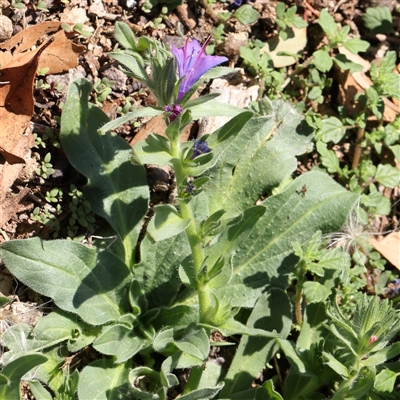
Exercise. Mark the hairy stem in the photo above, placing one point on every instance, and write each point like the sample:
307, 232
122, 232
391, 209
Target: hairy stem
299, 317
357, 151
195, 242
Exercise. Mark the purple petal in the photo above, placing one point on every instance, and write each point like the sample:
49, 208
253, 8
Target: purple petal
193, 63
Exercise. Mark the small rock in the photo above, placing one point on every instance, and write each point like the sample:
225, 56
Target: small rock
6, 28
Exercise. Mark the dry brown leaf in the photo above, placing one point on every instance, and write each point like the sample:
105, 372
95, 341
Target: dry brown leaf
16, 104
292, 45
389, 247
28, 37
16, 101
60, 56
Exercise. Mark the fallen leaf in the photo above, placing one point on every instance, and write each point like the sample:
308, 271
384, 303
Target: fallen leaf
19, 68
389, 247
16, 104
60, 56
292, 45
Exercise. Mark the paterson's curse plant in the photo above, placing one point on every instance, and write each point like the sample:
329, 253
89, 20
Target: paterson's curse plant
223, 256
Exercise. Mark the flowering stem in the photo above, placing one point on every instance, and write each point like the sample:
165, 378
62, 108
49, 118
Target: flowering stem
195, 242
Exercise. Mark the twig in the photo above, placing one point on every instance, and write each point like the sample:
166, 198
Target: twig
211, 12
310, 8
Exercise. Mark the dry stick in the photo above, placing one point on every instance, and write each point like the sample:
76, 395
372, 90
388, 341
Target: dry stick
278, 371
211, 12
357, 151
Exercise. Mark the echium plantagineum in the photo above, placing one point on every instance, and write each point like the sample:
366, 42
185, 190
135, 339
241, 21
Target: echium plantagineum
193, 62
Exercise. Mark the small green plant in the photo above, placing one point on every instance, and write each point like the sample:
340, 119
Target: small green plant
287, 19
102, 88
48, 137
81, 213
46, 168
76, 29
246, 14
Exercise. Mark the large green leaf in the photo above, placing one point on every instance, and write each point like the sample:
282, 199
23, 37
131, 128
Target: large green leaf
157, 271
104, 380
256, 159
265, 259
272, 311
78, 279
116, 189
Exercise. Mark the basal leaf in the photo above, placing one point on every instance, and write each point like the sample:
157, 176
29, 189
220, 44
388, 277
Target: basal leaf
78, 279
116, 189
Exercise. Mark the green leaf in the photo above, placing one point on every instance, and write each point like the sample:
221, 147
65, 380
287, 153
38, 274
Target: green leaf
322, 60
378, 20
166, 223
387, 175
314, 292
288, 217
203, 394
13, 372
356, 45
104, 380
77, 278
125, 36
315, 93
255, 159
192, 343
272, 311
39, 391
214, 108
292, 356
116, 189
336, 365
157, 269
396, 151
345, 64
155, 149
119, 341
328, 158
246, 14
332, 130
312, 330
139, 113
385, 380
266, 391
4, 300
328, 24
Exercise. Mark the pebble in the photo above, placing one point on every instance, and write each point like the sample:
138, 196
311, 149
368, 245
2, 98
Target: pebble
6, 28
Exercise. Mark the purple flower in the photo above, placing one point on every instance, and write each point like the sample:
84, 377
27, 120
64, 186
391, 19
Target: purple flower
174, 111
199, 148
193, 63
